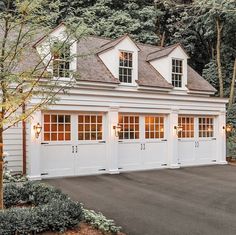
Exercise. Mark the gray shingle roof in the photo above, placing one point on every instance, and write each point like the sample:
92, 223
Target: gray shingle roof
197, 83
161, 52
91, 65
91, 68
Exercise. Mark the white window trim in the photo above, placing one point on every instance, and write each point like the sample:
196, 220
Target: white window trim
102, 131
182, 81
132, 84
182, 78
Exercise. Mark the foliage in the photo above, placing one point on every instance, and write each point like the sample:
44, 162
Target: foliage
40, 208
9, 176
99, 221
112, 18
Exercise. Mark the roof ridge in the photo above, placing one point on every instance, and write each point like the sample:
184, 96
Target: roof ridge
165, 48
113, 40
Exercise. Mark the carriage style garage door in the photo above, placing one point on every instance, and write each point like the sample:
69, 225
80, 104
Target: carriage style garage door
73, 144
197, 142
142, 143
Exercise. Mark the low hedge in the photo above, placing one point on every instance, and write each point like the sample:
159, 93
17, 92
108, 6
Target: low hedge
36, 207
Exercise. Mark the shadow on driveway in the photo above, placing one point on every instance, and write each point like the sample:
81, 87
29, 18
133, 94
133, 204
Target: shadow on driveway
194, 200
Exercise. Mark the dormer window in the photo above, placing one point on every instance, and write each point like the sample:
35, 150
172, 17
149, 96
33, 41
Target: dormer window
125, 67
61, 60
177, 72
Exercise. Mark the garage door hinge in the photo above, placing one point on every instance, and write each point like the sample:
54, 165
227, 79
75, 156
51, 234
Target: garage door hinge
101, 169
44, 173
103, 141
44, 143
213, 160
164, 140
120, 168
163, 164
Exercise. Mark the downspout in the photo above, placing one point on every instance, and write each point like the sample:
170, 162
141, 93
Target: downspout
24, 142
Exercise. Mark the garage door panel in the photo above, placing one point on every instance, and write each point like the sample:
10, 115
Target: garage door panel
129, 156
57, 160
206, 151
155, 154
91, 158
186, 152
201, 147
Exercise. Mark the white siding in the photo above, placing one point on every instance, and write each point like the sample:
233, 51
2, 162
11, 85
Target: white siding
13, 146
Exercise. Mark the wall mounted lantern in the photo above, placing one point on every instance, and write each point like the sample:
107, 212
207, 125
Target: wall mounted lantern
228, 128
37, 130
117, 129
178, 129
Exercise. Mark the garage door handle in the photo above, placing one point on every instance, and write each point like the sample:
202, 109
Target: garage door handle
196, 144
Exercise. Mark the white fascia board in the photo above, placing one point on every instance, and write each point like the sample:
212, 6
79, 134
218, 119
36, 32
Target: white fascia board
201, 92
147, 88
92, 84
133, 93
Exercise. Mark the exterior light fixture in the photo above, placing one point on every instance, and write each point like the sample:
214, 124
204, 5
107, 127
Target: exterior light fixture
37, 130
178, 129
228, 128
117, 129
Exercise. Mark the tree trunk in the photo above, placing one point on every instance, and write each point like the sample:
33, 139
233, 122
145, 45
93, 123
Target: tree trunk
231, 96
1, 168
219, 28
163, 37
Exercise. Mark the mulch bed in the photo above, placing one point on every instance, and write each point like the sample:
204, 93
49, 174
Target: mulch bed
231, 161
83, 229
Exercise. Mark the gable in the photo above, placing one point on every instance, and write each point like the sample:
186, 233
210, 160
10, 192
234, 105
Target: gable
178, 52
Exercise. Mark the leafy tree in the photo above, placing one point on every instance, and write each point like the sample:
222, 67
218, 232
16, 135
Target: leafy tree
23, 75
112, 18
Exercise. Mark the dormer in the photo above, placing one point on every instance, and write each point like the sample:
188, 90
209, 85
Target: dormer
171, 63
58, 52
120, 56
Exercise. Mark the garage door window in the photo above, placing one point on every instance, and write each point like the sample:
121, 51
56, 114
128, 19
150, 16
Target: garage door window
187, 124
57, 127
154, 127
129, 127
206, 127
90, 127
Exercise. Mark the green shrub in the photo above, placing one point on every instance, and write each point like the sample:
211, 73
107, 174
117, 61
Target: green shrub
49, 209
12, 195
99, 221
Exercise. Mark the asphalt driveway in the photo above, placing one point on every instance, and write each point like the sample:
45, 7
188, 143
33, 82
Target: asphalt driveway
196, 200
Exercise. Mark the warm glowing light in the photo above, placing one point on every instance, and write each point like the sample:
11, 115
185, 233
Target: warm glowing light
37, 130
121, 56
117, 129
209, 128
178, 129
228, 128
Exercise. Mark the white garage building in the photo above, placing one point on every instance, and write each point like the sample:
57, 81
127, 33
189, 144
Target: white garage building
134, 107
